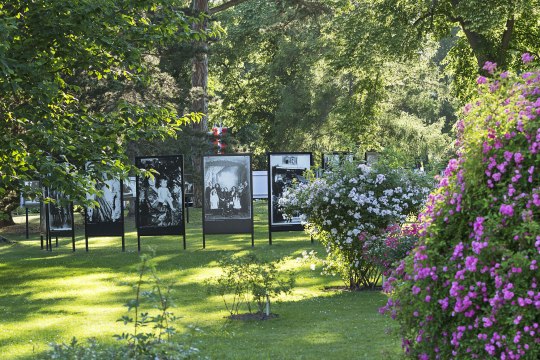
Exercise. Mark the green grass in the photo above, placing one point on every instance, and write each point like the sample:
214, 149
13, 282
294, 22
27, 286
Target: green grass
52, 296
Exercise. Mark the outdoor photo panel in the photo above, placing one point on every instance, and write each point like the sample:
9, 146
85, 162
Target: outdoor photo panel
60, 214
107, 219
336, 158
227, 194
159, 204
31, 201
284, 169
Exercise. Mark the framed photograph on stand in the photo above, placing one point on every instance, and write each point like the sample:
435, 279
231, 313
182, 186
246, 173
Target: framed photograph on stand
30, 199
107, 218
159, 205
336, 158
228, 194
59, 221
284, 169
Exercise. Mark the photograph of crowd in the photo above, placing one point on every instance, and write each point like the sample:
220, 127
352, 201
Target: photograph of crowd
60, 212
110, 204
160, 198
285, 169
227, 192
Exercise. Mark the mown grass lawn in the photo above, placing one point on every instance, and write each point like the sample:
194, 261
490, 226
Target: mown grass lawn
53, 296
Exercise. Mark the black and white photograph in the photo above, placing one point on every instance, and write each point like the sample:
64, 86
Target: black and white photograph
60, 212
227, 191
336, 159
284, 171
129, 188
188, 184
109, 208
33, 187
160, 197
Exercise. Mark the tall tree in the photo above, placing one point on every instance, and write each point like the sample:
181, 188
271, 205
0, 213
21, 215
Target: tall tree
498, 31
53, 54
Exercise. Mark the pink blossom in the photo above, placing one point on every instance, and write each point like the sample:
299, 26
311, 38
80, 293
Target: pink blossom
490, 67
527, 58
481, 80
506, 210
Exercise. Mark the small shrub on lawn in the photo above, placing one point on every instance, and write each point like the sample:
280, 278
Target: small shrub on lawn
247, 280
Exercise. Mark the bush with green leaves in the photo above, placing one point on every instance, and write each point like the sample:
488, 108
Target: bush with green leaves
246, 280
352, 204
470, 288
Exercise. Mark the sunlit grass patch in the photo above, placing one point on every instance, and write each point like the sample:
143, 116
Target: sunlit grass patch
53, 296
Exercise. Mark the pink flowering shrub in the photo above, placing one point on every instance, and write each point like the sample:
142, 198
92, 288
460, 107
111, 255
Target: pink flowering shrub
470, 288
388, 248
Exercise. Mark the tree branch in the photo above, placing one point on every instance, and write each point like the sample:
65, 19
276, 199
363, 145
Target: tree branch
225, 6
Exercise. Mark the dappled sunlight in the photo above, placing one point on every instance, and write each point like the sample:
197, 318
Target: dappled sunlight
54, 296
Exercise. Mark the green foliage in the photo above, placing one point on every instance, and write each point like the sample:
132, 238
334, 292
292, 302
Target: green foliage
286, 78
249, 280
74, 75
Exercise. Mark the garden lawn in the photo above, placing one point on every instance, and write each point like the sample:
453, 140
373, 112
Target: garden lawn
54, 296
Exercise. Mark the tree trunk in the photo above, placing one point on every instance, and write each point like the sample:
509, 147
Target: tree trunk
7, 204
199, 99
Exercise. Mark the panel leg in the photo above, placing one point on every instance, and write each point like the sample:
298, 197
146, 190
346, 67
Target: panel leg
123, 243
138, 243
204, 240
57, 241
27, 223
269, 237
73, 241
86, 242
41, 238
184, 240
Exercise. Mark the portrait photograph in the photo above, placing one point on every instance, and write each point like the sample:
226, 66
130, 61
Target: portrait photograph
227, 187
160, 197
284, 171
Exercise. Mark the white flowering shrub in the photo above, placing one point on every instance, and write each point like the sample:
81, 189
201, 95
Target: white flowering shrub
353, 203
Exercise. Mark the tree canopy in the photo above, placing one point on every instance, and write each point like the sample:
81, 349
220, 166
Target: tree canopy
73, 85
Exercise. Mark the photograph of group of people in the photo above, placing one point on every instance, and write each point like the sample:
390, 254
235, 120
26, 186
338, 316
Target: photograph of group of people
160, 198
227, 192
285, 170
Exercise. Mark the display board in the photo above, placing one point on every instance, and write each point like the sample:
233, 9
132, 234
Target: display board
107, 218
58, 217
159, 206
31, 201
260, 184
227, 206
336, 158
283, 170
